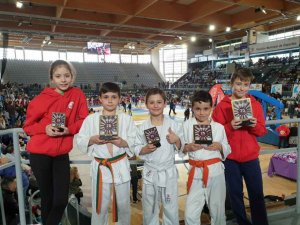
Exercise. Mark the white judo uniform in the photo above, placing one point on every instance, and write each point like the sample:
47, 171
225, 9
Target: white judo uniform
159, 175
121, 169
215, 191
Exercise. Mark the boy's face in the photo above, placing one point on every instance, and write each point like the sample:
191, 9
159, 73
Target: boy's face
240, 88
110, 101
202, 111
156, 105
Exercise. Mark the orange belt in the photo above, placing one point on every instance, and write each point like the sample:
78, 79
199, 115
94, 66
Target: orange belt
108, 163
200, 164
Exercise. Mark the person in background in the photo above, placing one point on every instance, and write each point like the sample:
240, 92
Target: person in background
75, 184
284, 133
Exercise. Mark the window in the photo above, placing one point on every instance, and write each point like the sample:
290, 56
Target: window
173, 62
33, 55
50, 55
90, 57
112, 58
75, 56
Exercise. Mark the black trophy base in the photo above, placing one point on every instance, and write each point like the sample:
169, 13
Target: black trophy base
108, 137
61, 129
246, 123
157, 144
202, 142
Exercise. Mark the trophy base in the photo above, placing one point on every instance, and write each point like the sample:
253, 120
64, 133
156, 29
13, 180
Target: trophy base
246, 123
61, 129
108, 137
201, 142
157, 144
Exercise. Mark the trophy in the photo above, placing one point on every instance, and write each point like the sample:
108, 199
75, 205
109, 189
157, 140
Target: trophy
108, 127
152, 136
202, 134
242, 110
59, 120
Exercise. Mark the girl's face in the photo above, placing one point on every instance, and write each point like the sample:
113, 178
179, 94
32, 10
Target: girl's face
155, 104
240, 88
62, 79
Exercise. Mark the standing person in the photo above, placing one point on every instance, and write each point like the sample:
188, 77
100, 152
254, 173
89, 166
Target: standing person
206, 181
160, 174
49, 146
110, 165
172, 107
243, 162
283, 132
129, 108
187, 112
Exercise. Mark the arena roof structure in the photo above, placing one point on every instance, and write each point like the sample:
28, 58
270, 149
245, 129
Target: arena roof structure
70, 24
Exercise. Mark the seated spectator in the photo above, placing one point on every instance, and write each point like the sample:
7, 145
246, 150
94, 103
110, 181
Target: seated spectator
9, 187
75, 183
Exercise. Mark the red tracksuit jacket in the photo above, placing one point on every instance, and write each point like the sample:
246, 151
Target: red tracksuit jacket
39, 115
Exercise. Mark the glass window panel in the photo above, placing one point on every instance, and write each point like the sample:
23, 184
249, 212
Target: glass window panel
112, 58
63, 55
50, 55
75, 56
90, 57
125, 58
134, 58
19, 54
33, 55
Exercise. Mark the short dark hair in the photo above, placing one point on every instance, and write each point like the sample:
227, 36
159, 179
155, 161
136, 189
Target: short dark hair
155, 91
244, 74
6, 181
201, 96
110, 87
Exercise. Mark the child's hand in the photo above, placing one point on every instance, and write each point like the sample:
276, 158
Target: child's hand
119, 142
52, 131
236, 124
192, 147
172, 137
148, 149
214, 146
95, 140
253, 121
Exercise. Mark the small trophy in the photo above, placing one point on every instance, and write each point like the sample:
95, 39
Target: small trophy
152, 136
242, 110
202, 134
108, 127
59, 120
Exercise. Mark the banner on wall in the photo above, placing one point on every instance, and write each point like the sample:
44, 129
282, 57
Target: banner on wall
276, 88
257, 87
296, 90
275, 45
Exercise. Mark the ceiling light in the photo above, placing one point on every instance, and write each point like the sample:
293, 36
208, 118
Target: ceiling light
298, 18
228, 29
49, 42
263, 10
260, 9
193, 39
212, 27
179, 37
19, 4
210, 40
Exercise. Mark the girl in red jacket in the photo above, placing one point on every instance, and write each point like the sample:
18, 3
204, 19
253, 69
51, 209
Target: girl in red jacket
49, 144
243, 162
